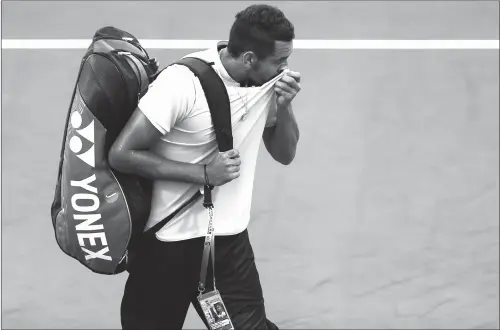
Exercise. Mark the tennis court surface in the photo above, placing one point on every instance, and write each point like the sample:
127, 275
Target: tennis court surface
388, 218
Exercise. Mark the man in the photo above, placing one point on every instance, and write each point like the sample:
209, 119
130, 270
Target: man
170, 138
219, 310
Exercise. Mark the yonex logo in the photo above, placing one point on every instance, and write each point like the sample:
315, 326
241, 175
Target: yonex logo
85, 201
76, 144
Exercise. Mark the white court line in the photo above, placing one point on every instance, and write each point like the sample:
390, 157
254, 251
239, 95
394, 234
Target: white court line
298, 44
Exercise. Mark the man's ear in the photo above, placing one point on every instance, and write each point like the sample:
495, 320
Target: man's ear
249, 59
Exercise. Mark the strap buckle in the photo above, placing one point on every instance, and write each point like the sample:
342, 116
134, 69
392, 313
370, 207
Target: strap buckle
207, 196
201, 288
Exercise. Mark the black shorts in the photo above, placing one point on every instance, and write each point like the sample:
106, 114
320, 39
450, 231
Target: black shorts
163, 281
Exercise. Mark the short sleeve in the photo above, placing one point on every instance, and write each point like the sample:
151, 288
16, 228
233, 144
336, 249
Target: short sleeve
169, 98
272, 115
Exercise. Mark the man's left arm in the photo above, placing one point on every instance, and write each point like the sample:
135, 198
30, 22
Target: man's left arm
281, 140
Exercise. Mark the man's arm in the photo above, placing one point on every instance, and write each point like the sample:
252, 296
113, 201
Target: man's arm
130, 154
164, 104
281, 140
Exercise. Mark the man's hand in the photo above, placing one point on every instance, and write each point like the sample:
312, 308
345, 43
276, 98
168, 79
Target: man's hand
281, 140
224, 167
287, 88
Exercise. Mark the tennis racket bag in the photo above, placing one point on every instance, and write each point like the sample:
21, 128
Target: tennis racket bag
98, 213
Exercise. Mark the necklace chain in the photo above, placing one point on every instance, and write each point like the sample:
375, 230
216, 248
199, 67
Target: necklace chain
245, 101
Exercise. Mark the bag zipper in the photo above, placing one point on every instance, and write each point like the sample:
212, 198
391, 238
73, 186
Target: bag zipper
138, 46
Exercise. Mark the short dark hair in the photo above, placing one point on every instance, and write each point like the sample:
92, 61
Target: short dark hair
256, 29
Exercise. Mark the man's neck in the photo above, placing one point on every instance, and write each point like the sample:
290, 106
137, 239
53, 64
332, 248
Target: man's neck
232, 67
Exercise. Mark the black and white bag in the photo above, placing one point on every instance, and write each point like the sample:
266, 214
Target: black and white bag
98, 213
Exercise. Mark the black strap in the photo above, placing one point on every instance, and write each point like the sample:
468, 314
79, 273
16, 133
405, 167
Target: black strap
220, 111
217, 99
159, 225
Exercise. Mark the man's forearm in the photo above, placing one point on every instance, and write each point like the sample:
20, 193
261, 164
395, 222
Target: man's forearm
150, 166
281, 140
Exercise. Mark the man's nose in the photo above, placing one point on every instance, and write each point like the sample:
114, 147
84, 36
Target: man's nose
283, 67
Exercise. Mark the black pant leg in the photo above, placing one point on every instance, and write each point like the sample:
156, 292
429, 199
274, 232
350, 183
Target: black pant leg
161, 284
238, 282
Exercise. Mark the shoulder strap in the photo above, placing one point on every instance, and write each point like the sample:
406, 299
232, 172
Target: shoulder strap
220, 110
217, 99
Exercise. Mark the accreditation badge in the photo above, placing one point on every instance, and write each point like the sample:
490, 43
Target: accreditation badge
215, 311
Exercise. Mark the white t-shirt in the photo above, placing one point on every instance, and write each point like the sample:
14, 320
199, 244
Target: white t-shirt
176, 105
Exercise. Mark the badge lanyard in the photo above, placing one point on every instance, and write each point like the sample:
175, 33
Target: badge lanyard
210, 300
209, 247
